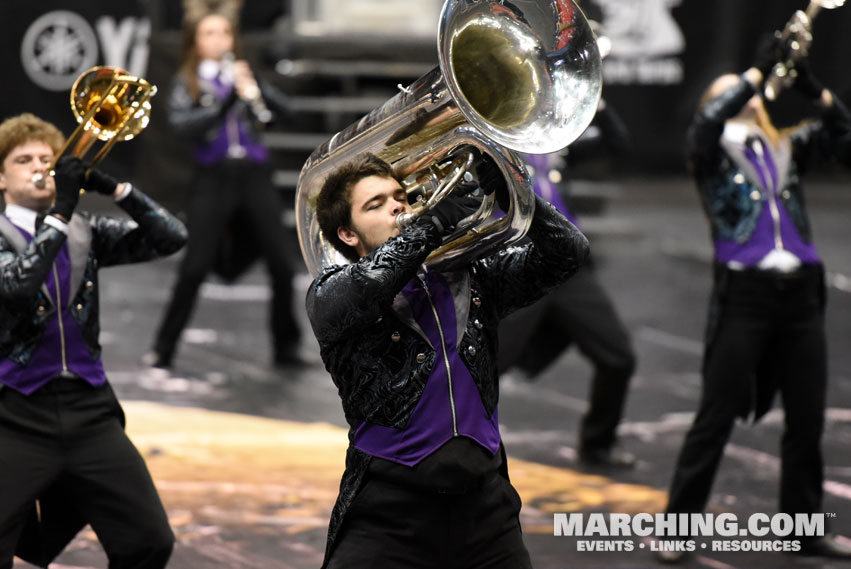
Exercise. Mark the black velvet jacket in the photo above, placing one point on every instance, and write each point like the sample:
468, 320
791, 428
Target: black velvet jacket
94, 241
377, 360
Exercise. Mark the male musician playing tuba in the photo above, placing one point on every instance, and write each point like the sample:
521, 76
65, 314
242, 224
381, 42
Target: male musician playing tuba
412, 352
765, 328
61, 427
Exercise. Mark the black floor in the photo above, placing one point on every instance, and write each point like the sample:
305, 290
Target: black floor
652, 253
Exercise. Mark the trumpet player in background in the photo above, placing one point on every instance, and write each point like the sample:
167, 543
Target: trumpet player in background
217, 103
61, 426
765, 329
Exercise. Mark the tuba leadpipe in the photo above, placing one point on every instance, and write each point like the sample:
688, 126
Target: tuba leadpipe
795, 39
512, 77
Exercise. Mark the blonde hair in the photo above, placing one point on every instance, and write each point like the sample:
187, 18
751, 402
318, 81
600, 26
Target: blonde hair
17, 130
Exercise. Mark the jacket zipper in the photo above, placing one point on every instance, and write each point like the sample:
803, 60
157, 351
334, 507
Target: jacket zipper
445, 358
59, 317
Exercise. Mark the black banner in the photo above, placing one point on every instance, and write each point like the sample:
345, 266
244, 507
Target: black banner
47, 44
666, 52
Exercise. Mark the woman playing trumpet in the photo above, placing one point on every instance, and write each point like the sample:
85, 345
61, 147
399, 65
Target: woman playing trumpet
216, 102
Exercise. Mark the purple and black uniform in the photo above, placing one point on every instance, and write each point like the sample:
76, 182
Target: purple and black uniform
66, 460
765, 329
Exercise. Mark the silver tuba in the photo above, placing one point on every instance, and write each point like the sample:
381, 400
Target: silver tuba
796, 38
522, 76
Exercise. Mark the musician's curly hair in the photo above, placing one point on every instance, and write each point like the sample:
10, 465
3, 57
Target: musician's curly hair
333, 204
25, 127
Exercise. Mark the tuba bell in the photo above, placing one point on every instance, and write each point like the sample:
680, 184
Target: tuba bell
796, 38
110, 105
521, 76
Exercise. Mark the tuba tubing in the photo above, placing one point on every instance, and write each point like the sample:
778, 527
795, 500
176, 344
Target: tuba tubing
525, 78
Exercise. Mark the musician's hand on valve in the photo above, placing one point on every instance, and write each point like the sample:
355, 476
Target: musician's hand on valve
492, 181
451, 210
70, 175
101, 182
805, 82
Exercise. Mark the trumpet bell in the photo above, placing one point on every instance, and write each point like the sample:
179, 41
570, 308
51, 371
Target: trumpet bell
110, 105
120, 102
829, 4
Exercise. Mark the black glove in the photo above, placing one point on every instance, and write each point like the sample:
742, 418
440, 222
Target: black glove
806, 83
101, 182
492, 181
453, 209
70, 172
767, 54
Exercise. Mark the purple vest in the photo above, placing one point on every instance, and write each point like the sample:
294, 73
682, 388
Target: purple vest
431, 423
761, 242
232, 134
769, 177
47, 360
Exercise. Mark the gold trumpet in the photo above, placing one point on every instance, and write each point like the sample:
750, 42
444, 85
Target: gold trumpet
110, 105
796, 38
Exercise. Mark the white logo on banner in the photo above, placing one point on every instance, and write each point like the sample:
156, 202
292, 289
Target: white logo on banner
646, 41
60, 45
57, 47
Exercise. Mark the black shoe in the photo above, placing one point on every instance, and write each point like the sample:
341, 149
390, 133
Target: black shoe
614, 457
153, 359
827, 546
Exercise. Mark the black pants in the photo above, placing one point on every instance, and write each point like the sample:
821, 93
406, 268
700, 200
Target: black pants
770, 328
221, 194
65, 445
391, 526
577, 311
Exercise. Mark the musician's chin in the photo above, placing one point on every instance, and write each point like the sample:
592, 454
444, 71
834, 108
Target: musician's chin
43, 187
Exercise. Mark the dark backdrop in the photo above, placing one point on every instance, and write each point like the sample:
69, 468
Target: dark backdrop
655, 88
